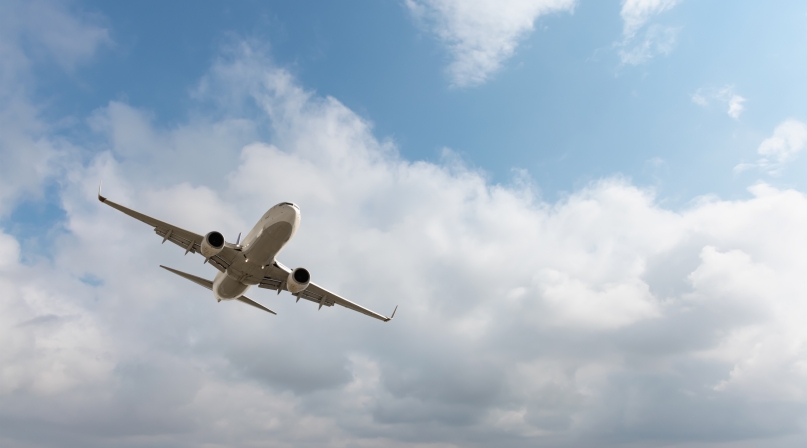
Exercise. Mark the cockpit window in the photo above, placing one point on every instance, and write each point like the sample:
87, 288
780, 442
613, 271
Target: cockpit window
280, 205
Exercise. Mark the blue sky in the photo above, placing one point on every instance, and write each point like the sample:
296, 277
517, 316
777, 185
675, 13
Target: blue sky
591, 215
563, 107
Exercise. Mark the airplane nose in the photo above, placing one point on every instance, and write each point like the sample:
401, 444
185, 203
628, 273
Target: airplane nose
290, 213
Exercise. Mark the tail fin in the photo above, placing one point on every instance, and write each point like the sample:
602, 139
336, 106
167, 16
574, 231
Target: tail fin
249, 301
198, 280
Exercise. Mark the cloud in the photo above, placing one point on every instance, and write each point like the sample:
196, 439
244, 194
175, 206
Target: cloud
30, 33
637, 48
481, 34
601, 318
788, 139
736, 106
636, 13
49, 31
51, 345
699, 99
726, 95
657, 40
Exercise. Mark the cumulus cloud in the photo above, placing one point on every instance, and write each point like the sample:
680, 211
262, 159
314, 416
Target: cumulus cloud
783, 147
599, 318
640, 43
726, 95
481, 34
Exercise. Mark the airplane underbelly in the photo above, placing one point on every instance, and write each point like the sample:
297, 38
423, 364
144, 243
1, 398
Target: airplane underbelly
270, 242
227, 288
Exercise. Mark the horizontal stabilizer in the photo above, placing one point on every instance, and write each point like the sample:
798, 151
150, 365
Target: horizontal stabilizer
249, 301
198, 280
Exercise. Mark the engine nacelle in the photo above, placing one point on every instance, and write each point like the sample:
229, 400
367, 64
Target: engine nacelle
298, 280
212, 244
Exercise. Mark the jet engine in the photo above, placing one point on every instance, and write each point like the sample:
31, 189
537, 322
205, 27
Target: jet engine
298, 280
212, 244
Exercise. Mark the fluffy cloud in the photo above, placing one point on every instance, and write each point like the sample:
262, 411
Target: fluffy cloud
788, 139
736, 106
481, 34
601, 318
637, 48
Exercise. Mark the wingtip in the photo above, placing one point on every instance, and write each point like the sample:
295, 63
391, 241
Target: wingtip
393, 314
100, 198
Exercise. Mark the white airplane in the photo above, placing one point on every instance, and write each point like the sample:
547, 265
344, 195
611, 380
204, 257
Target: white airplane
251, 263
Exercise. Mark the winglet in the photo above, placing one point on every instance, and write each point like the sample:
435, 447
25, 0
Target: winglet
100, 198
393, 314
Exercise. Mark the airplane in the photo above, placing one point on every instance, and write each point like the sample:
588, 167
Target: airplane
251, 262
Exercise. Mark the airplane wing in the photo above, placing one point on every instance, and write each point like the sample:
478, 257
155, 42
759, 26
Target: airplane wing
276, 273
276, 280
191, 242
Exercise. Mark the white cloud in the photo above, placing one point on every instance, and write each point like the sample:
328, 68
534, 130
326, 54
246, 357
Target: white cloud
481, 34
725, 95
699, 99
522, 322
787, 141
637, 48
783, 147
50, 345
736, 106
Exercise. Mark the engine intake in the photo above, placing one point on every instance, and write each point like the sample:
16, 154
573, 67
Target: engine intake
212, 244
298, 280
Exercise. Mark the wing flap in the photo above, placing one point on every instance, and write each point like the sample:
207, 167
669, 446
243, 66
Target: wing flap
217, 261
328, 299
275, 280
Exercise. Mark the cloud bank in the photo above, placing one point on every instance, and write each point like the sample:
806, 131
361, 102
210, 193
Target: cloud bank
481, 34
602, 318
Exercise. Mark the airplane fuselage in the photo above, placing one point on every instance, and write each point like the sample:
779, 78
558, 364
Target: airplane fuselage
259, 249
